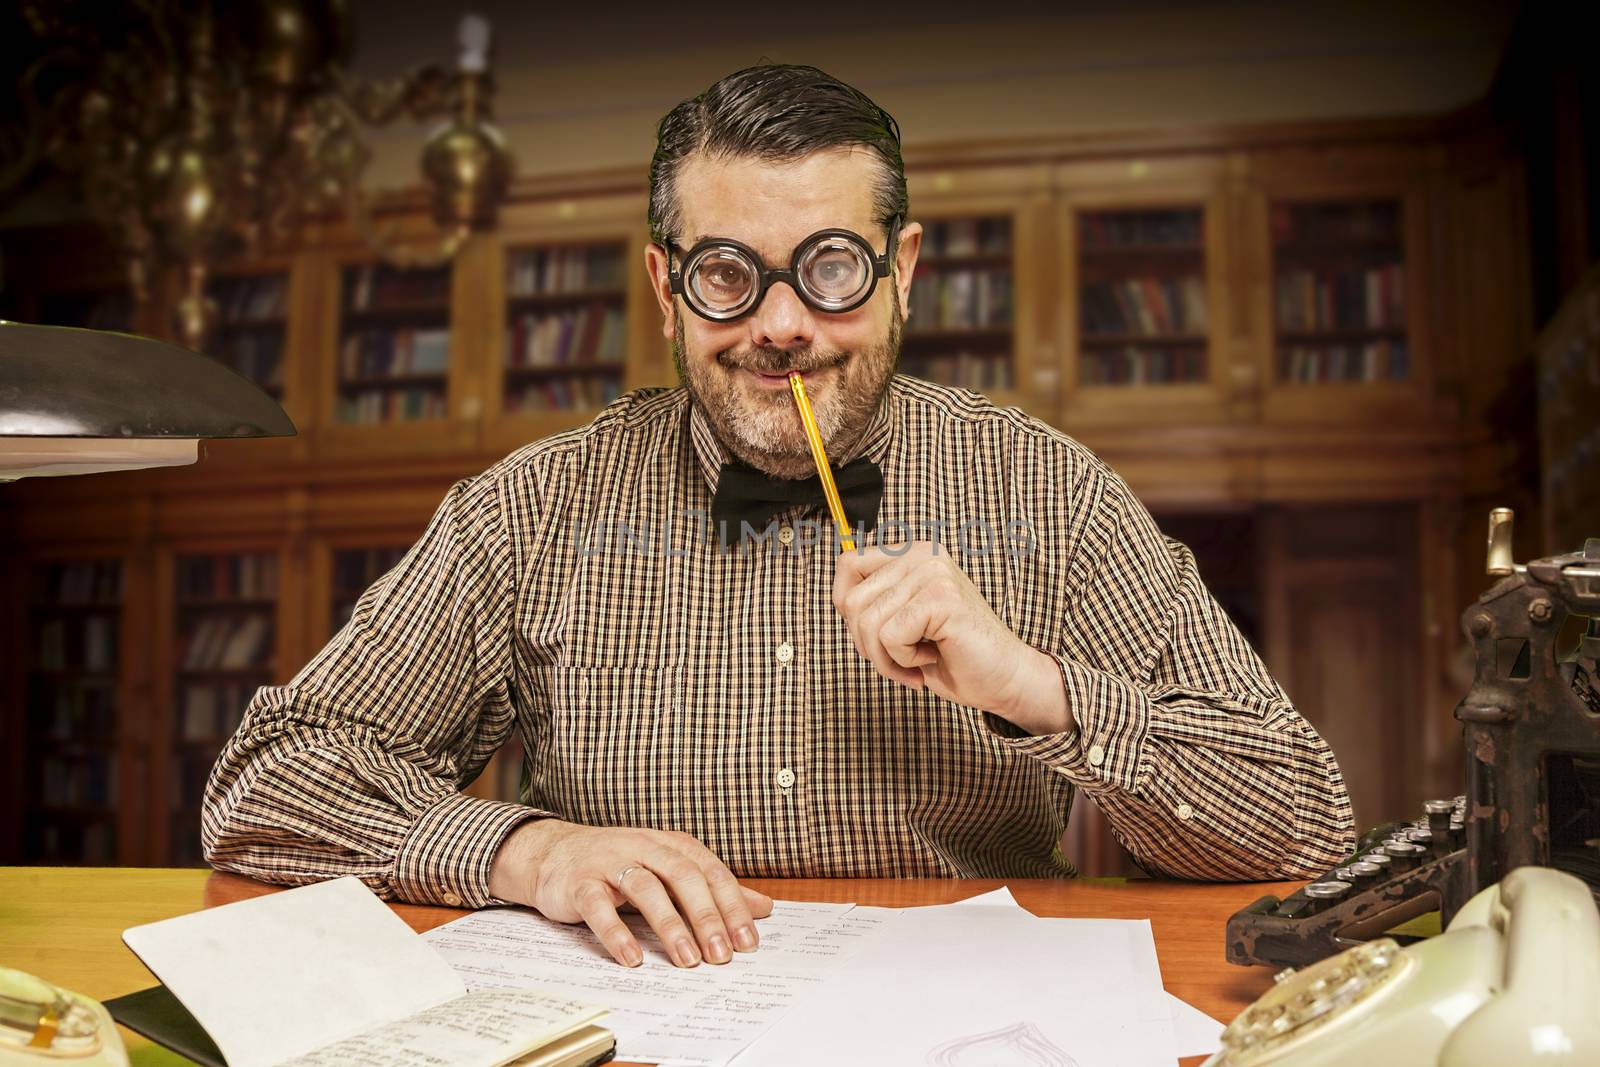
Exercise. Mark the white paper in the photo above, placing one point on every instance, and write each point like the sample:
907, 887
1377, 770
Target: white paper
483, 1029
281, 975
962, 984
1197, 1033
661, 1013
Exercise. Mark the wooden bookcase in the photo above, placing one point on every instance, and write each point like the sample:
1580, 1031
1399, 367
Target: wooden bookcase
72, 713
221, 627
251, 333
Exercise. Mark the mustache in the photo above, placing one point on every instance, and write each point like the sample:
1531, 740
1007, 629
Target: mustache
767, 360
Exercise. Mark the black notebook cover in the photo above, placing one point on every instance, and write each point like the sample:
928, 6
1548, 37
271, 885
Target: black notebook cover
160, 1016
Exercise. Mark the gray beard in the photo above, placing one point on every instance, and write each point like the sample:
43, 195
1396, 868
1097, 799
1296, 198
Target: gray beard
765, 431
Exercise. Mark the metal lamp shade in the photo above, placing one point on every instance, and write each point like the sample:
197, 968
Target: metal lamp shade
63, 389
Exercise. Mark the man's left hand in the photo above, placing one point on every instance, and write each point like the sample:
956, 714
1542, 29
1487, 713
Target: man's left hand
922, 623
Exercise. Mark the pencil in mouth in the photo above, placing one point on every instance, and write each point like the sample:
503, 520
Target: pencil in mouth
819, 456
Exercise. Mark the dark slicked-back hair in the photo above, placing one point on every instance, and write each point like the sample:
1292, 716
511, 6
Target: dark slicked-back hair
777, 113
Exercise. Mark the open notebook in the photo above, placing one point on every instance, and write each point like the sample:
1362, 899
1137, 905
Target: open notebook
327, 975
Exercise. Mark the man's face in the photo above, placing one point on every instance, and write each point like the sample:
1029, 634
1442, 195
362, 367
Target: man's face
738, 371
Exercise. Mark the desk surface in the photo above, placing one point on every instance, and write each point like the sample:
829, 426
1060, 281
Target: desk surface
65, 924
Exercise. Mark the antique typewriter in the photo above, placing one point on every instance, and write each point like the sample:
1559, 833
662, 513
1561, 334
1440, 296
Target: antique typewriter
1531, 728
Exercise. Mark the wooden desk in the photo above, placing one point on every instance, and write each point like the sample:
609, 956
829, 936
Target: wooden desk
65, 924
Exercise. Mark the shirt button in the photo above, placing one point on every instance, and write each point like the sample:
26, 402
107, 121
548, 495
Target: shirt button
1097, 755
785, 652
452, 900
1185, 811
785, 778
786, 535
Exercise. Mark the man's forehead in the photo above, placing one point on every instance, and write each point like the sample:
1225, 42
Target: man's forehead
772, 206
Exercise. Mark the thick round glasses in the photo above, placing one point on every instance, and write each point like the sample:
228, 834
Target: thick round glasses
832, 270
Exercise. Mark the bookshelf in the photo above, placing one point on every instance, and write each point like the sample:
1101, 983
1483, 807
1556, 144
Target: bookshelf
353, 571
225, 628
393, 345
566, 327
960, 331
252, 327
1339, 292
71, 726
1143, 315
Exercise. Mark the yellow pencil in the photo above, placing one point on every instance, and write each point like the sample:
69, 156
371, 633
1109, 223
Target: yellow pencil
820, 457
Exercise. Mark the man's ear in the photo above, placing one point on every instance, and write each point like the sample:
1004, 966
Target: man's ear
905, 264
655, 264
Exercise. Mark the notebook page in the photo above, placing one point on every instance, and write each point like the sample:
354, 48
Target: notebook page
280, 975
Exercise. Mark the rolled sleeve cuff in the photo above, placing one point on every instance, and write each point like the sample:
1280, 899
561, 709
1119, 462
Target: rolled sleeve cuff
1107, 748
446, 857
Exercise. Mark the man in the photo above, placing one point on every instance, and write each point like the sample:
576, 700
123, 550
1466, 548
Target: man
695, 707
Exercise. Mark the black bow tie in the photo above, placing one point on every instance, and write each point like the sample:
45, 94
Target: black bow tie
745, 494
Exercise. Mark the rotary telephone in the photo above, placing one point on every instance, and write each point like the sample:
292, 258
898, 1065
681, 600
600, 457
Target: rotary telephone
1515, 979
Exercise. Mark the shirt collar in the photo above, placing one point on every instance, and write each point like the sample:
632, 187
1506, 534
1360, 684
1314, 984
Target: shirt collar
711, 453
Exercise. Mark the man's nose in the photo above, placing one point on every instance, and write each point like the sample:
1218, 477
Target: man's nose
782, 320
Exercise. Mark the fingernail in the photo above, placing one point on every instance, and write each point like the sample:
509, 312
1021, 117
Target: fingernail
719, 949
633, 955
685, 954
745, 938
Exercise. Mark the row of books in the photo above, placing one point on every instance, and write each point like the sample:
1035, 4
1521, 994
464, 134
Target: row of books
1136, 365
594, 333
372, 287
228, 642
388, 353
88, 644
537, 271
960, 299
565, 394
257, 356
1342, 299
1375, 361
251, 576
372, 406
212, 712
75, 712
80, 582
1333, 223
249, 298
963, 370
1124, 229
79, 782
966, 237
53, 843
1147, 305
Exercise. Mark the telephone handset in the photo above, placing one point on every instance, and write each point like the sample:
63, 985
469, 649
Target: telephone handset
42, 1024
1515, 979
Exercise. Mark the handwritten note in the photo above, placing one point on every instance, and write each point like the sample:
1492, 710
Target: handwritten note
660, 1013
481, 1029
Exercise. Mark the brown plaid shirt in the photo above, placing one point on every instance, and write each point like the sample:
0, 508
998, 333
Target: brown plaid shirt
657, 679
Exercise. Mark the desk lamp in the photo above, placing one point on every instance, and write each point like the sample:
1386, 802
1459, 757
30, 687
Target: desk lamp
84, 401
80, 402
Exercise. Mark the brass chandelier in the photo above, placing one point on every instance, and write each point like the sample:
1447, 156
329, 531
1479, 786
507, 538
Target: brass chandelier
200, 132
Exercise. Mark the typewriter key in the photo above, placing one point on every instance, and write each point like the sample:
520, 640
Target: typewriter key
1405, 855
1322, 894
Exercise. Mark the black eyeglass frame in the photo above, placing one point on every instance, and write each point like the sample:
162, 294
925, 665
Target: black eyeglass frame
766, 275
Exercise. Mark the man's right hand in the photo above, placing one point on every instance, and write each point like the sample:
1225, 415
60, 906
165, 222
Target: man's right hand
573, 873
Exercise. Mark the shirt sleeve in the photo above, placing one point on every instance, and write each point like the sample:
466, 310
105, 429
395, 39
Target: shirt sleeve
1183, 739
355, 766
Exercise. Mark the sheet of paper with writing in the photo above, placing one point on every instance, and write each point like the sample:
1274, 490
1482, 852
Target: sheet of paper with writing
661, 1013
481, 1029
956, 985
281, 975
